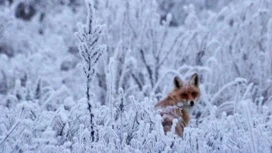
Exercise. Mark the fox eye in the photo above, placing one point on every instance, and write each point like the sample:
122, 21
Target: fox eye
194, 94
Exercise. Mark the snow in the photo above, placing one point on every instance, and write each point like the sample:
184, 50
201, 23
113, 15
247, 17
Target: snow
127, 57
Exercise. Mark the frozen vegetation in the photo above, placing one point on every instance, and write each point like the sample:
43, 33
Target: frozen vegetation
80, 76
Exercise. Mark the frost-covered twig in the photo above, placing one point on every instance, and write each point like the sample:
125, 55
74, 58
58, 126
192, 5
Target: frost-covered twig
90, 52
149, 70
236, 81
8, 134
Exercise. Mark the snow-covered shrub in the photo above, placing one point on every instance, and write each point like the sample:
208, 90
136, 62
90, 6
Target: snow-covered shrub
43, 101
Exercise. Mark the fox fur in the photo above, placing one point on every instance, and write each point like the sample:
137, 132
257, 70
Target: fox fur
177, 104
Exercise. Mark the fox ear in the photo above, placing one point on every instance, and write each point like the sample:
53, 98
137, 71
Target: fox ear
177, 82
195, 80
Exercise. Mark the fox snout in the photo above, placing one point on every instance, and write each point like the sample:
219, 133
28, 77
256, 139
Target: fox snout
192, 103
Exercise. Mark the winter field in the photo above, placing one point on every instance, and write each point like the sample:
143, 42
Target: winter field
80, 76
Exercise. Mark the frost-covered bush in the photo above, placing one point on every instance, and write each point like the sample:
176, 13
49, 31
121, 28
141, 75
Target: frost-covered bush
176, 8
43, 102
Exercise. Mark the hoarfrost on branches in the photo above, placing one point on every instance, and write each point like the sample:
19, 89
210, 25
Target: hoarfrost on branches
95, 91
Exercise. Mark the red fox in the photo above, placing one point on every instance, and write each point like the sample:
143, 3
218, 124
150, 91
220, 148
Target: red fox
177, 103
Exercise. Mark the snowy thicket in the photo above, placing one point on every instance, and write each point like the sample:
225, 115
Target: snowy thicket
84, 76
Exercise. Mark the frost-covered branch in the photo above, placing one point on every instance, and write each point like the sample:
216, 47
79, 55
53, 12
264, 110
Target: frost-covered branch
10, 131
90, 51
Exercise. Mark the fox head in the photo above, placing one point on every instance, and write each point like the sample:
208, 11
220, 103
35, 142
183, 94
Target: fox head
186, 93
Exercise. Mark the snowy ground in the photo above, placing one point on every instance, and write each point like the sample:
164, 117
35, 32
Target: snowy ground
43, 102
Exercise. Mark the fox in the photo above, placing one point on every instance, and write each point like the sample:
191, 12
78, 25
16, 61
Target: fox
178, 103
